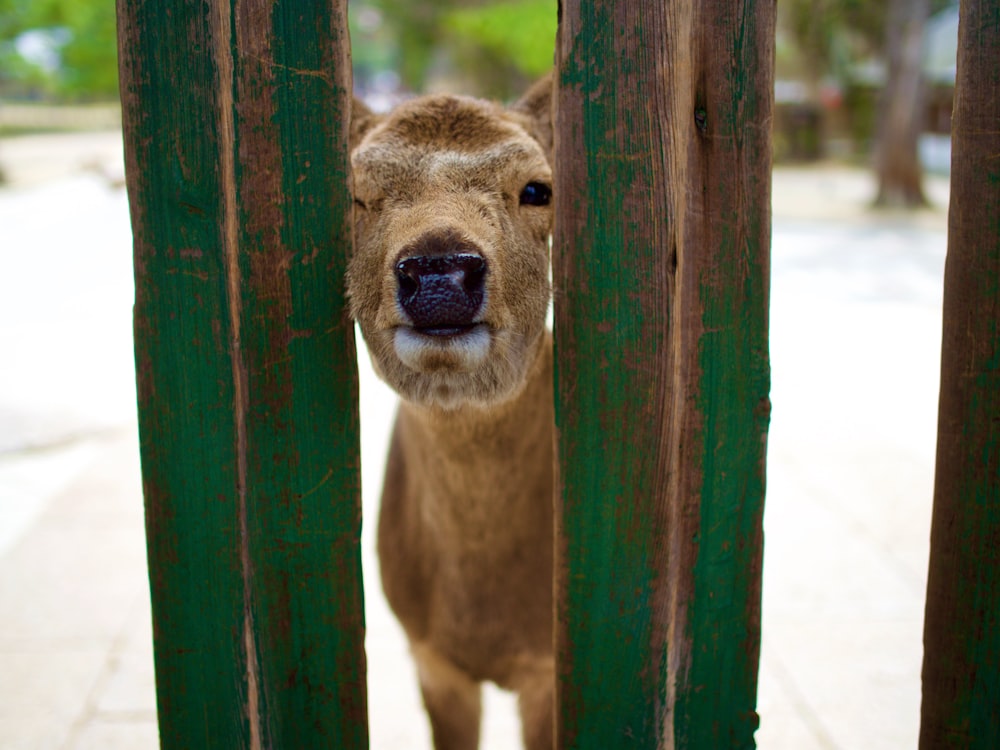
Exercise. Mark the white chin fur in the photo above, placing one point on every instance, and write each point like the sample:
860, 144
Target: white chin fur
462, 353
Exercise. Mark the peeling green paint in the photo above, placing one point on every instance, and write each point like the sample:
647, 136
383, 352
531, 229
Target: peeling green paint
662, 376
235, 120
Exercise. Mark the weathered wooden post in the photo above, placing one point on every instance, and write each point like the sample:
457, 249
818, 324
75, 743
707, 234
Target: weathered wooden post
661, 283
961, 674
235, 116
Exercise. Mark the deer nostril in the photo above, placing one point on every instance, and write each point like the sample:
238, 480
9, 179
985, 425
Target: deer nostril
474, 273
408, 278
441, 292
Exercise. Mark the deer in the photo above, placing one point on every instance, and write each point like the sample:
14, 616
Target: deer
449, 284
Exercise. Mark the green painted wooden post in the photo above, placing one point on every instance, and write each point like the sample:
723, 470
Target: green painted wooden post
661, 284
961, 675
235, 118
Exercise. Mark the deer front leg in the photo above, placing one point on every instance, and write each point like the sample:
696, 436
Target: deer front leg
452, 699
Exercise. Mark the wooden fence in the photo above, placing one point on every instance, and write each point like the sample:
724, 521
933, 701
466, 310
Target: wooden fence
235, 115
661, 260
961, 674
236, 157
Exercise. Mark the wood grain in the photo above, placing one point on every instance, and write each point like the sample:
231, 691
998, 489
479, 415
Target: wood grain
961, 673
661, 282
235, 117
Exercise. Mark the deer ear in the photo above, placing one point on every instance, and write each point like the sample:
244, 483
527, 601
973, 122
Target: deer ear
362, 120
536, 105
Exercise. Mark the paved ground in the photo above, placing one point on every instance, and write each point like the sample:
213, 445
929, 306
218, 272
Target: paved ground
855, 346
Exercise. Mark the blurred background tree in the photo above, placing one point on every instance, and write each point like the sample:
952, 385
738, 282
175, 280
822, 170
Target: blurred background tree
66, 49
857, 79
505, 45
840, 64
61, 49
838, 50
902, 119
483, 47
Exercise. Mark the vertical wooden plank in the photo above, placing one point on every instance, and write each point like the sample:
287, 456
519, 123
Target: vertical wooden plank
661, 276
170, 98
303, 470
961, 673
235, 118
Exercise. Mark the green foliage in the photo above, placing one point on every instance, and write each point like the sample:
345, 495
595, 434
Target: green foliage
828, 35
88, 60
17, 73
494, 46
521, 33
371, 43
415, 26
11, 17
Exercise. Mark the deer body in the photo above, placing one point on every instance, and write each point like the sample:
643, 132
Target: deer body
449, 283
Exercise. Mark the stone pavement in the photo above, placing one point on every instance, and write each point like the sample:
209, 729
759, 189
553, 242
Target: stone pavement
855, 345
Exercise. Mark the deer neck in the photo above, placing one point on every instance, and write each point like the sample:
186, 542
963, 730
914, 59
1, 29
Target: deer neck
473, 466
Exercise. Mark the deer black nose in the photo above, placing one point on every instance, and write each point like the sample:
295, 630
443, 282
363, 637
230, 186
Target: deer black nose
441, 294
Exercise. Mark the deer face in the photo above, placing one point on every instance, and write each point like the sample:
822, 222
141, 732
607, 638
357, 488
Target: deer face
449, 279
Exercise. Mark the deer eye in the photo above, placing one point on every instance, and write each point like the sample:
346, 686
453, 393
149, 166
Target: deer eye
536, 194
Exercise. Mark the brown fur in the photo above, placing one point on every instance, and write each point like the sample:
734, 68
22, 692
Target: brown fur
465, 532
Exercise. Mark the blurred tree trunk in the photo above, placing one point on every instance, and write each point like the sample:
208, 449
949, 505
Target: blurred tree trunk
898, 168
